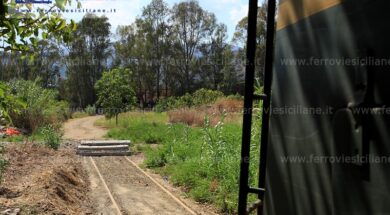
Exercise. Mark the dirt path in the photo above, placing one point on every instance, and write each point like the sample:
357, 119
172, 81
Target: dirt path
84, 128
118, 187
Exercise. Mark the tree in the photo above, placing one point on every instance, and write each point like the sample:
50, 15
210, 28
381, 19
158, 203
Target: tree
156, 30
213, 54
132, 53
231, 78
240, 37
192, 26
88, 58
115, 92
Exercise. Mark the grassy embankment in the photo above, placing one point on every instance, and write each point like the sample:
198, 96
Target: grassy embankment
203, 160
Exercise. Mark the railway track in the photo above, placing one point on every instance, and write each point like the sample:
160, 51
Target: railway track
133, 193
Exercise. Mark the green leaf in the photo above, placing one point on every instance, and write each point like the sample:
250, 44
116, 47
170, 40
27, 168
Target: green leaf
61, 4
44, 35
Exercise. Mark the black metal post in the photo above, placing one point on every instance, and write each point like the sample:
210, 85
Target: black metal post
248, 104
269, 60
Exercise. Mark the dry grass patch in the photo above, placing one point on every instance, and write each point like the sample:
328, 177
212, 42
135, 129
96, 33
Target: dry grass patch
230, 108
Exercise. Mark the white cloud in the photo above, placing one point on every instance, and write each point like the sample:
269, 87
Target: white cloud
236, 14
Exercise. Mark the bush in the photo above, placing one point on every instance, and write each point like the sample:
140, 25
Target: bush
236, 96
198, 98
206, 97
8, 104
90, 110
166, 104
51, 136
42, 107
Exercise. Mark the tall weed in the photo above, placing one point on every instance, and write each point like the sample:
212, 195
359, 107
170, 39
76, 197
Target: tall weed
42, 107
51, 136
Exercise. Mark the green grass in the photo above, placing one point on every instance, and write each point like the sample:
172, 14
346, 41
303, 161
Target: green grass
138, 127
13, 139
204, 161
77, 115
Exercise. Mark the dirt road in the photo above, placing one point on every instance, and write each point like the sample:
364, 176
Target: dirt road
118, 186
83, 128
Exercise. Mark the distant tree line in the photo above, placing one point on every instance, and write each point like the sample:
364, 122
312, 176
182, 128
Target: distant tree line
169, 51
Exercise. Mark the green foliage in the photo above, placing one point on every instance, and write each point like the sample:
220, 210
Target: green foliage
115, 92
235, 97
240, 38
42, 107
198, 98
22, 29
8, 104
166, 104
91, 47
206, 96
51, 136
90, 110
180, 33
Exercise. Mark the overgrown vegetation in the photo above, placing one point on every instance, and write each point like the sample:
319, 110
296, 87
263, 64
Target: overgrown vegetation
203, 160
90, 110
198, 98
42, 106
51, 136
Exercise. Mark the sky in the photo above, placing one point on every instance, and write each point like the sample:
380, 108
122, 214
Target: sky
229, 12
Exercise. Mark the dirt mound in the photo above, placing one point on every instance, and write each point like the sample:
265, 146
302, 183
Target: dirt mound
39, 180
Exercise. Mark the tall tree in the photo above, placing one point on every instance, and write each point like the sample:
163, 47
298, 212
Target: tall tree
132, 53
240, 37
156, 29
88, 57
213, 58
191, 26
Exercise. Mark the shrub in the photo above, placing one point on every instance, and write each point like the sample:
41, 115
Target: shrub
236, 96
184, 101
90, 110
166, 104
8, 104
205, 96
198, 98
51, 136
42, 107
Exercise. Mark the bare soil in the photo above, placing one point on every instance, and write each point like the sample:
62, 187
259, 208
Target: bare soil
39, 180
84, 129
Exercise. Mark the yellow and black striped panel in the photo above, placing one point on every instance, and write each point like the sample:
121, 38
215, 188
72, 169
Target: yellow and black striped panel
291, 11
